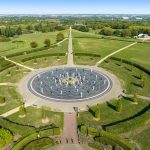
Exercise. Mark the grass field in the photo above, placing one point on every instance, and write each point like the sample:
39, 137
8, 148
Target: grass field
34, 117
130, 79
102, 47
139, 54
129, 127
10, 47
12, 98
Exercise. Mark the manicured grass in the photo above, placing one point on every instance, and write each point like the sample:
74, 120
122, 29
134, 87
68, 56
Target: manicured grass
139, 54
130, 80
102, 47
110, 115
86, 60
10, 48
142, 138
39, 144
50, 61
12, 98
34, 117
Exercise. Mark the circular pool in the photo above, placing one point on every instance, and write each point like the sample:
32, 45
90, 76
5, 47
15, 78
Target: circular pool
70, 84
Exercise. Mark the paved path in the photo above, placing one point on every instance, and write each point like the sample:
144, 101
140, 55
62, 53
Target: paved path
70, 51
62, 41
69, 135
13, 111
18, 64
71, 147
117, 51
8, 84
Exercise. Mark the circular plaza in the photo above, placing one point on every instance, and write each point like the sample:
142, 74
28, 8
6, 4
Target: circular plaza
70, 84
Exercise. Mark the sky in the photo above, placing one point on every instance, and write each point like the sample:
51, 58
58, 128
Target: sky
74, 6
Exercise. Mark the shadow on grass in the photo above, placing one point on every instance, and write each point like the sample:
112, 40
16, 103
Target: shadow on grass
91, 111
136, 84
137, 77
111, 106
128, 98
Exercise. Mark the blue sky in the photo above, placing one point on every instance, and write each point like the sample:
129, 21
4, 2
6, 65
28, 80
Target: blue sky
74, 6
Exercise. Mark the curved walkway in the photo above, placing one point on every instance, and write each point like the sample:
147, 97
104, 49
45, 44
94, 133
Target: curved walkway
18, 64
117, 51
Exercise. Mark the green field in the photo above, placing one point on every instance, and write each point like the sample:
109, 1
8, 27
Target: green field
130, 80
12, 98
139, 54
10, 47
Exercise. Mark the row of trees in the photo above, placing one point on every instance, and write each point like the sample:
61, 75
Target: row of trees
124, 33
47, 42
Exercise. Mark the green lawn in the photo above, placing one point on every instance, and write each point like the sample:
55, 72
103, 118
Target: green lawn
10, 47
130, 80
102, 47
34, 117
12, 98
139, 54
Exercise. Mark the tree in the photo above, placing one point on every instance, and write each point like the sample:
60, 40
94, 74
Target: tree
33, 44
125, 33
19, 31
119, 105
2, 100
59, 37
135, 99
47, 42
106, 31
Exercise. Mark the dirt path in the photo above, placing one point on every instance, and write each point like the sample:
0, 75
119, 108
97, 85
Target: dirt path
117, 51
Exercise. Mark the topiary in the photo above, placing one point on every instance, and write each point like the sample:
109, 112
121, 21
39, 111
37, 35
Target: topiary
2, 100
119, 105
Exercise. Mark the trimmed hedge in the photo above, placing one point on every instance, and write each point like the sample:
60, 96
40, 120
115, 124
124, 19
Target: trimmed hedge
44, 55
109, 137
87, 54
131, 63
45, 133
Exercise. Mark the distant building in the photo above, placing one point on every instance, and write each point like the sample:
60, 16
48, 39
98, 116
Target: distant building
142, 36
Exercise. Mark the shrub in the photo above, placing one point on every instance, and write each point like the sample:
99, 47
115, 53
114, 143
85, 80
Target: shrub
47, 42
135, 99
22, 110
119, 105
33, 44
5, 137
97, 112
2, 99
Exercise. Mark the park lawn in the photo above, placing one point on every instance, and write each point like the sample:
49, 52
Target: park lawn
79, 34
62, 48
12, 74
86, 60
46, 62
130, 80
34, 117
109, 115
143, 138
102, 47
12, 98
7, 48
139, 54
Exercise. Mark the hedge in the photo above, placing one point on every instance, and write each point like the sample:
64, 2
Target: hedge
44, 55
109, 137
87, 54
45, 133
2, 99
131, 63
